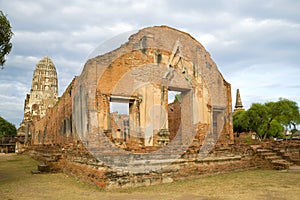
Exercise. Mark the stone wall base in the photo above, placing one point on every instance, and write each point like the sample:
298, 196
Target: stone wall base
88, 169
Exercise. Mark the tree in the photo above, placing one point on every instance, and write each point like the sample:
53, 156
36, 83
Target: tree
268, 119
259, 120
276, 129
5, 36
288, 113
7, 128
240, 122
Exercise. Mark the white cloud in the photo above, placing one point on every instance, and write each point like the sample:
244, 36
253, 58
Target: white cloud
207, 39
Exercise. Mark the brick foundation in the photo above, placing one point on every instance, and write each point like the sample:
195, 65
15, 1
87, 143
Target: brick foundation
80, 163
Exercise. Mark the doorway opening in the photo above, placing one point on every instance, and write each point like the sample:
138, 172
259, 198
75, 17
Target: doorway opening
119, 120
174, 112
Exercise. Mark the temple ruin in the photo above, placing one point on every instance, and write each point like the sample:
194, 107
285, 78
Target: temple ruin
155, 139
140, 74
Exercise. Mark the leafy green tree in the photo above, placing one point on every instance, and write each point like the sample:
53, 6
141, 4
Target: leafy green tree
240, 122
268, 119
7, 128
5, 36
276, 129
288, 113
259, 121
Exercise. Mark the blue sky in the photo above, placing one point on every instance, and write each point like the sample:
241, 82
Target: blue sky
255, 44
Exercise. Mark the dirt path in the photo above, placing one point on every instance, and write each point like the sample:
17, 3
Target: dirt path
17, 182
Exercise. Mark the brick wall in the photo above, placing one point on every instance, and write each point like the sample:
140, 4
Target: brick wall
56, 127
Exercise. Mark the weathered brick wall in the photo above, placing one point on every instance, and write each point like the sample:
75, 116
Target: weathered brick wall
103, 74
56, 127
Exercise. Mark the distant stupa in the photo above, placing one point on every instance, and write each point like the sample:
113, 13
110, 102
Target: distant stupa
238, 102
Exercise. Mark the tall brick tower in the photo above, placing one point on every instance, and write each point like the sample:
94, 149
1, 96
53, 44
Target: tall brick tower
43, 93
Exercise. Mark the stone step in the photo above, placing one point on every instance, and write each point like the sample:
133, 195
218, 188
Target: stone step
280, 161
280, 164
255, 147
267, 154
293, 152
220, 159
282, 151
276, 149
291, 156
47, 155
286, 157
273, 157
263, 150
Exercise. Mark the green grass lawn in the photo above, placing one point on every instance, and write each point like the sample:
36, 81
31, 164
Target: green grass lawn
17, 182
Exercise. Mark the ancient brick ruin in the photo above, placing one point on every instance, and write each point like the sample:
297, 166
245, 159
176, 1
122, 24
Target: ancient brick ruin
156, 141
43, 93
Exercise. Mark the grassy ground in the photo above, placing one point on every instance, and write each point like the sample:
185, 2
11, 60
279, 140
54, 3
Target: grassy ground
16, 182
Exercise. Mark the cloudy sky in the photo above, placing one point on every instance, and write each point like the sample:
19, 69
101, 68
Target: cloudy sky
256, 44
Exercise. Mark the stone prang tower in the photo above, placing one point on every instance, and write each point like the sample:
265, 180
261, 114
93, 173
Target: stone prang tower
43, 94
